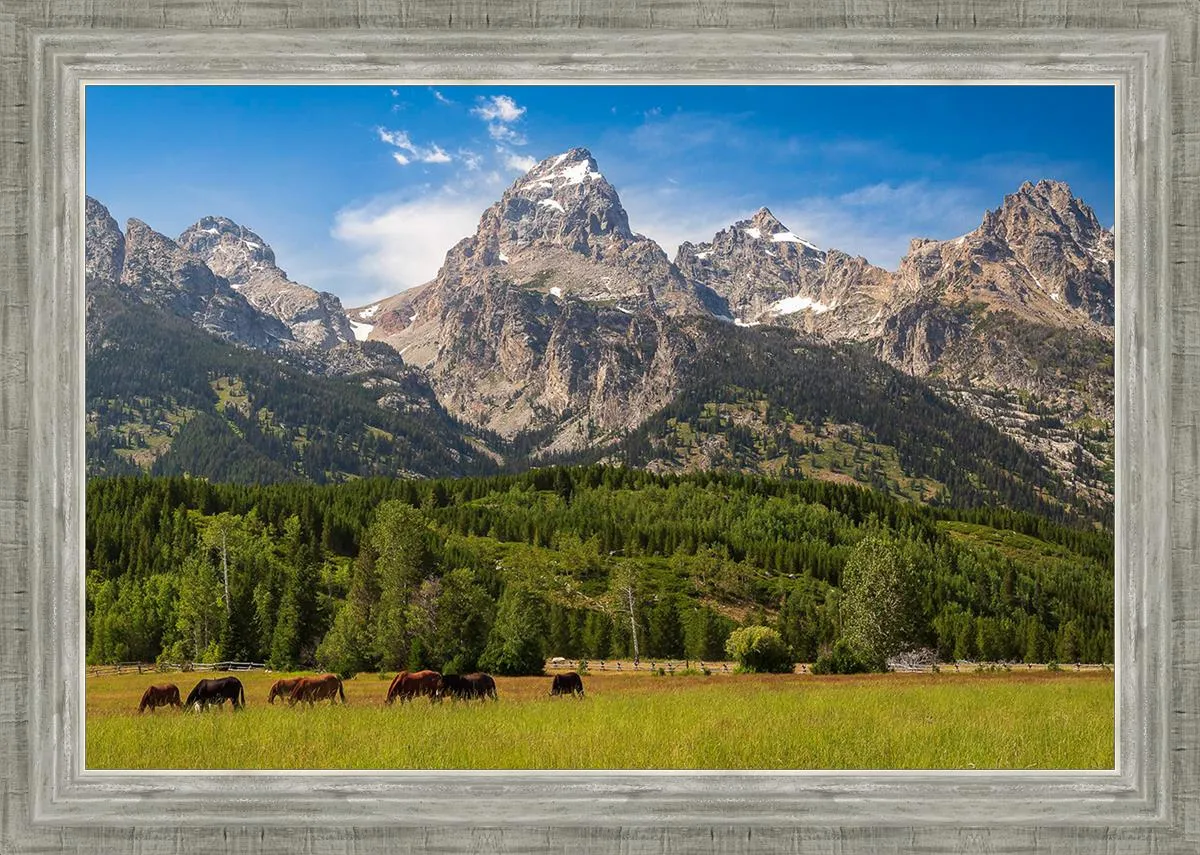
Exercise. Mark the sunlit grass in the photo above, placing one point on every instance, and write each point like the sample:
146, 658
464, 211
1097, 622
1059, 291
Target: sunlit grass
1035, 720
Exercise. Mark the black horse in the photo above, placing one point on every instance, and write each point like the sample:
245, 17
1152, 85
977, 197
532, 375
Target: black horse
217, 692
468, 686
569, 683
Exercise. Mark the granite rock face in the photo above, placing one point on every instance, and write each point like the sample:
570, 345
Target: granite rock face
104, 258
158, 271
553, 315
247, 262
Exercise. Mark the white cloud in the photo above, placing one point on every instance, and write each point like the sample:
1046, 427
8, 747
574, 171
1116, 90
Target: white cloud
433, 153
516, 162
470, 159
401, 245
442, 98
498, 108
503, 133
500, 112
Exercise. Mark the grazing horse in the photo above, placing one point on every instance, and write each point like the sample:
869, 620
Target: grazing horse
469, 686
410, 684
313, 689
217, 692
569, 683
159, 696
282, 688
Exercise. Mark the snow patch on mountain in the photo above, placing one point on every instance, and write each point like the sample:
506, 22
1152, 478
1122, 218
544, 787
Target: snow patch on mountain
579, 172
799, 303
553, 203
361, 330
789, 237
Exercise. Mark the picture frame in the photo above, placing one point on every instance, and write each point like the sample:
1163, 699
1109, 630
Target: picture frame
1151, 802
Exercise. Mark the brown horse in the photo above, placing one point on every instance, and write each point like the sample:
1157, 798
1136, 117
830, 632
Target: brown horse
160, 696
569, 683
327, 687
468, 686
282, 688
410, 684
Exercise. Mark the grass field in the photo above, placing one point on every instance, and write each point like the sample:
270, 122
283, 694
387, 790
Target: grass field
1031, 720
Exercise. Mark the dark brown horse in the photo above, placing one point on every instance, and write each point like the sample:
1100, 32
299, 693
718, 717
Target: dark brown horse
309, 690
160, 696
282, 688
217, 692
410, 684
468, 686
569, 683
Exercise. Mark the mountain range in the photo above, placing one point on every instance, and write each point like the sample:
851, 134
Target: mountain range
979, 372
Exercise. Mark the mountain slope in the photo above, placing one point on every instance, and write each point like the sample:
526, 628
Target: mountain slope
164, 396
772, 402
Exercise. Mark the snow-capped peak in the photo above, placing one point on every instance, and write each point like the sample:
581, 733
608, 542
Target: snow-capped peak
576, 166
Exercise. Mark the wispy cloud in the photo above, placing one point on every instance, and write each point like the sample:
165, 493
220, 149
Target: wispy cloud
504, 133
402, 245
501, 112
409, 151
471, 160
676, 133
498, 108
442, 99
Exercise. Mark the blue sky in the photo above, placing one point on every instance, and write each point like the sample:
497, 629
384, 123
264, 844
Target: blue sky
362, 189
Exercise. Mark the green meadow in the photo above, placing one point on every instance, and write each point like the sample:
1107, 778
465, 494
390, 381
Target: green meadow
1001, 720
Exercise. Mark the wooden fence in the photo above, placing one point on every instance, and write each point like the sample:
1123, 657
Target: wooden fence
155, 667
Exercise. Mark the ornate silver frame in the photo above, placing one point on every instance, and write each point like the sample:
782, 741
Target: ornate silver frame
49, 803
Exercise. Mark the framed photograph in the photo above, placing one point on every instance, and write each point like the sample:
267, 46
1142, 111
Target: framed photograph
590, 429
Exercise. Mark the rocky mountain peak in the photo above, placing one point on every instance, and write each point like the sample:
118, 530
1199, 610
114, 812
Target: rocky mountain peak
1041, 254
1045, 207
160, 272
105, 256
765, 226
764, 222
761, 271
231, 250
247, 261
564, 201
157, 265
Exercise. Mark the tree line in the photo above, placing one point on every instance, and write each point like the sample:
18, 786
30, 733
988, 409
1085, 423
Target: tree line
593, 562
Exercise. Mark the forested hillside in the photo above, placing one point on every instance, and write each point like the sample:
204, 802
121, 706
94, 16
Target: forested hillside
499, 572
770, 402
167, 397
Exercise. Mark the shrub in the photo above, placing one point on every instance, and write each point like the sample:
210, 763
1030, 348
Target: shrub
759, 649
846, 658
